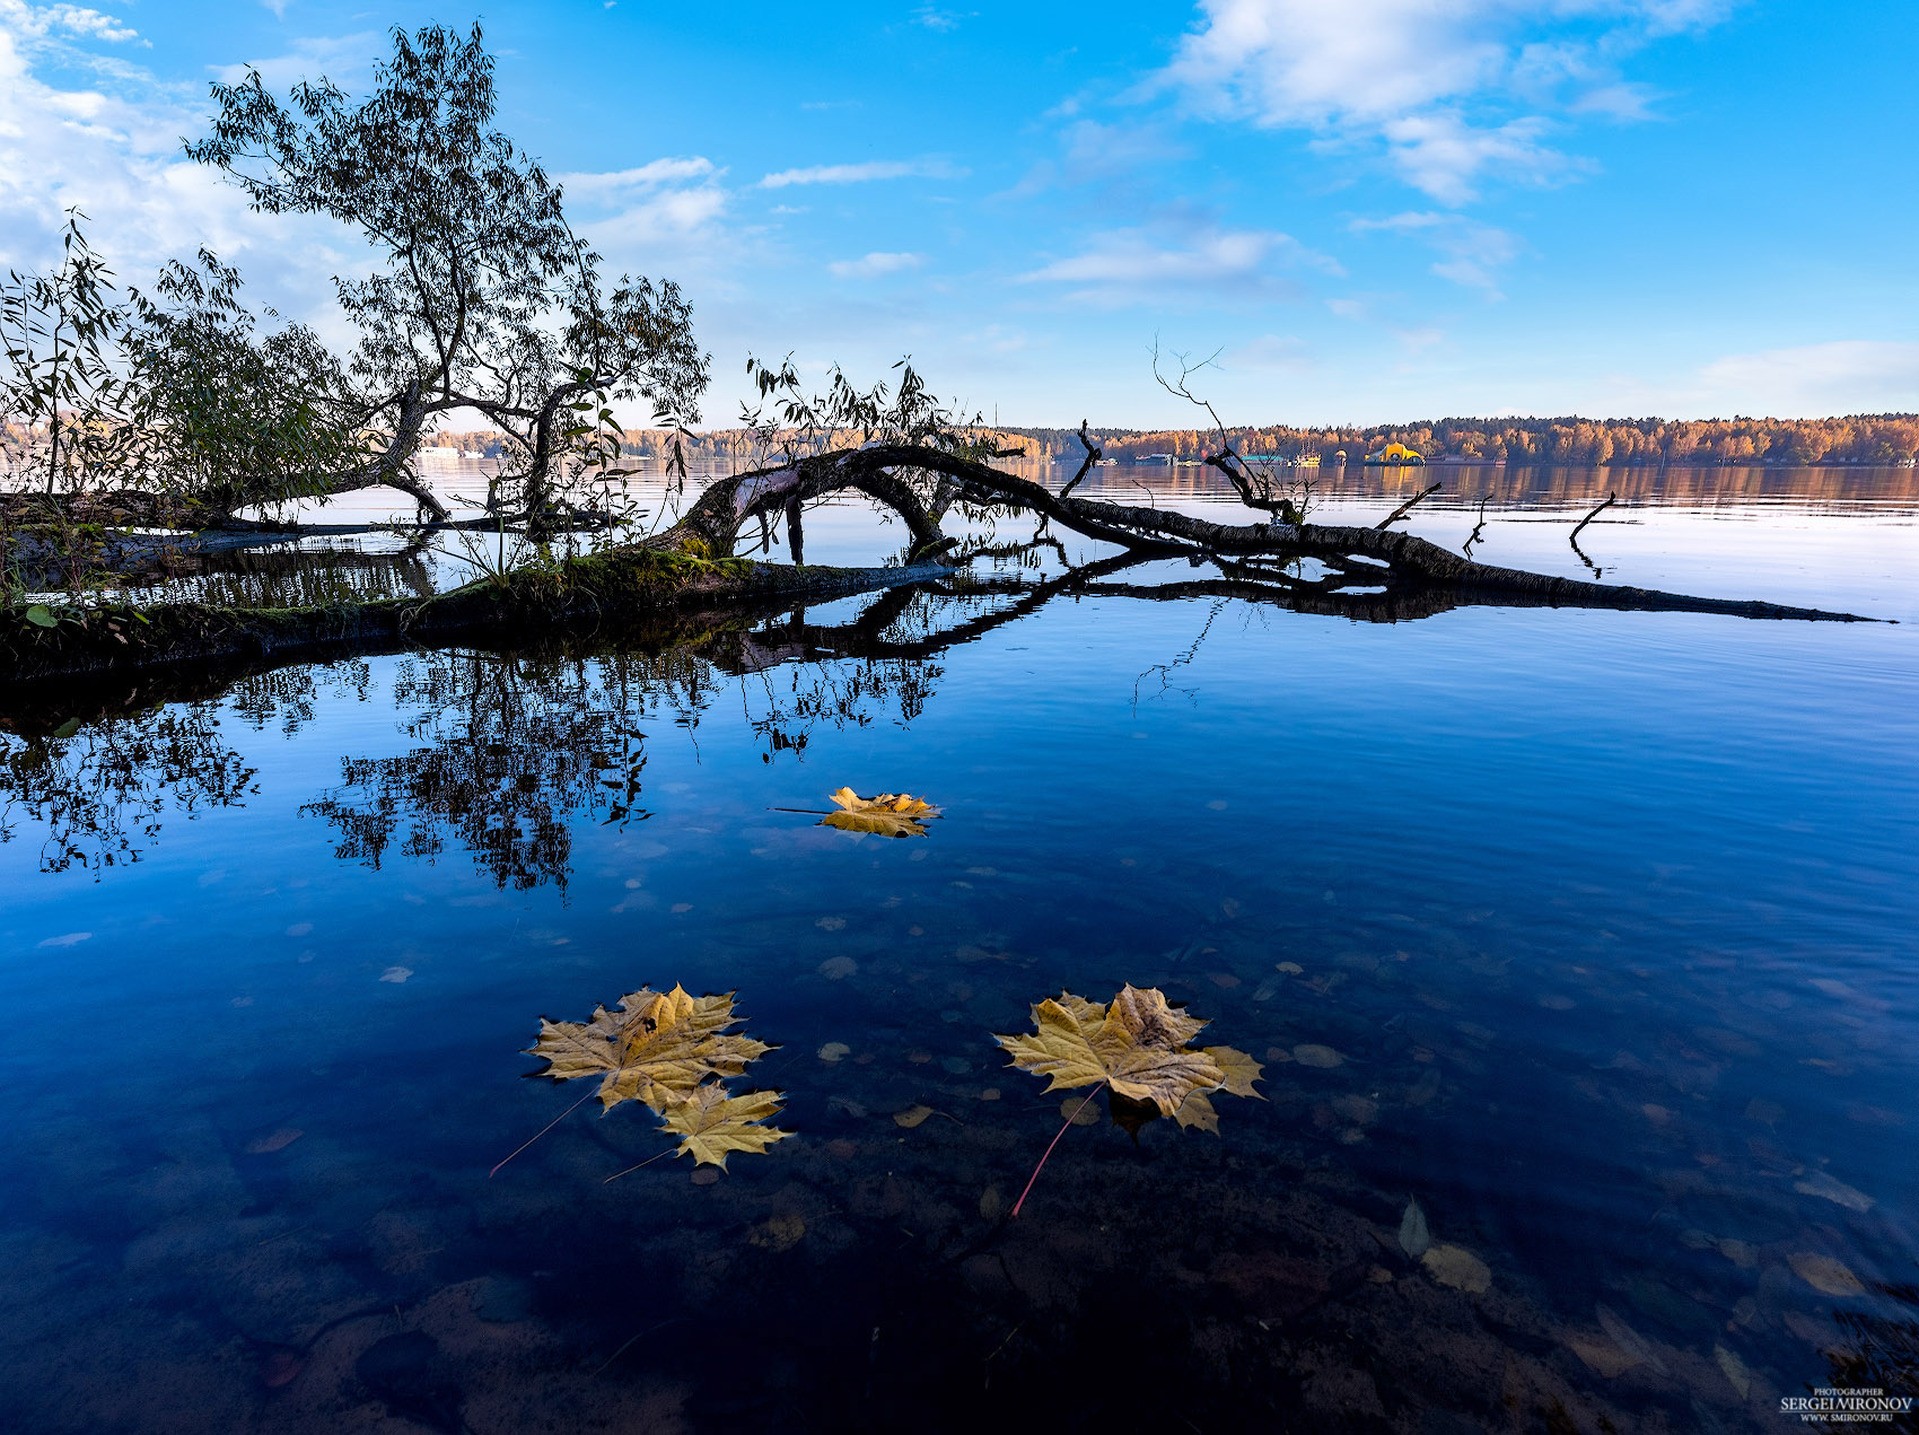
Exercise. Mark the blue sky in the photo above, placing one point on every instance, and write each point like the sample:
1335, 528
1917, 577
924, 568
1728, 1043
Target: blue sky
1371, 209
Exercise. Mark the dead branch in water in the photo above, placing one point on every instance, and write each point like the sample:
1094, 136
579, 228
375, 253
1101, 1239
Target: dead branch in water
1611, 499
1407, 507
1093, 456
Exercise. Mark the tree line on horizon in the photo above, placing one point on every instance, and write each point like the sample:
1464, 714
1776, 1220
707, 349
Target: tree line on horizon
1856, 439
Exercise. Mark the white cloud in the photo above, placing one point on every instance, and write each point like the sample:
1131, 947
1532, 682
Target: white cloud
862, 173
934, 18
1441, 153
1845, 376
114, 154
602, 185
674, 214
340, 58
1418, 341
1453, 92
39, 22
876, 265
1125, 266
1268, 351
1471, 254
671, 203
1094, 153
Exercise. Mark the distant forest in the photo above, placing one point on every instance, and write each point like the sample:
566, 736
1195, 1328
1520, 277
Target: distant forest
1858, 439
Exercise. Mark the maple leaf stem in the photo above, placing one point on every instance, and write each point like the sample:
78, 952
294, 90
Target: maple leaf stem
592, 1090
631, 1169
1049, 1150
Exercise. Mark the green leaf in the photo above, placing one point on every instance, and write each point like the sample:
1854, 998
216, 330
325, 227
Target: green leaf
41, 616
67, 728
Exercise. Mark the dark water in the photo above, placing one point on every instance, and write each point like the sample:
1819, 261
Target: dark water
1593, 933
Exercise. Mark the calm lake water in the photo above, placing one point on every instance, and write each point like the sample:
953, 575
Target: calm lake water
1594, 934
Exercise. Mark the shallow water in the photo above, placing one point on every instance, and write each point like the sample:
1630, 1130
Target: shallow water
1595, 933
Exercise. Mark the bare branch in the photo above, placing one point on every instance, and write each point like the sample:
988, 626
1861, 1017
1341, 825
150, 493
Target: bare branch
1407, 507
1093, 456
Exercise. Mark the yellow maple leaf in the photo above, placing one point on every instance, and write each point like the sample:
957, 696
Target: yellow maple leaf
891, 814
1239, 1069
655, 1047
711, 1124
1137, 1046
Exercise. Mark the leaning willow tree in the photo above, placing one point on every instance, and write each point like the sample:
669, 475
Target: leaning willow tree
484, 298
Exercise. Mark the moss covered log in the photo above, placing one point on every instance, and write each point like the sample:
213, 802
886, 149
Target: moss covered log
606, 593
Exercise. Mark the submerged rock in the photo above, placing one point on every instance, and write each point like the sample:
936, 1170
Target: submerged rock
404, 1371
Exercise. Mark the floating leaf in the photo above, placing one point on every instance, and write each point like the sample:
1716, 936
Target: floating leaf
891, 814
1415, 1237
833, 1051
780, 1233
711, 1124
1323, 1057
1824, 1186
1196, 1111
1459, 1268
1735, 1371
1630, 1340
912, 1116
1137, 1047
1360, 1110
1825, 1274
1602, 1355
654, 1048
1239, 1069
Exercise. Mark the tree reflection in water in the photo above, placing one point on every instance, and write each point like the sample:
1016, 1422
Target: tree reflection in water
510, 750
97, 786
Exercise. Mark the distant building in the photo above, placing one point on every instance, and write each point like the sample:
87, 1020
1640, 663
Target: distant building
1395, 455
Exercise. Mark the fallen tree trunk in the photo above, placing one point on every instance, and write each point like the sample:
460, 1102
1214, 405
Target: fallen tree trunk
607, 593
1365, 573
1356, 559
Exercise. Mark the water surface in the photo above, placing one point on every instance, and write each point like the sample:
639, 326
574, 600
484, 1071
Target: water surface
1606, 921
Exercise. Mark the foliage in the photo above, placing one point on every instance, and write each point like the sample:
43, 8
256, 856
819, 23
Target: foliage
711, 1124
1137, 1047
62, 393
891, 814
1650, 442
654, 1048
791, 423
174, 392
670, 1052
225, 416
486, 299
788, 424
